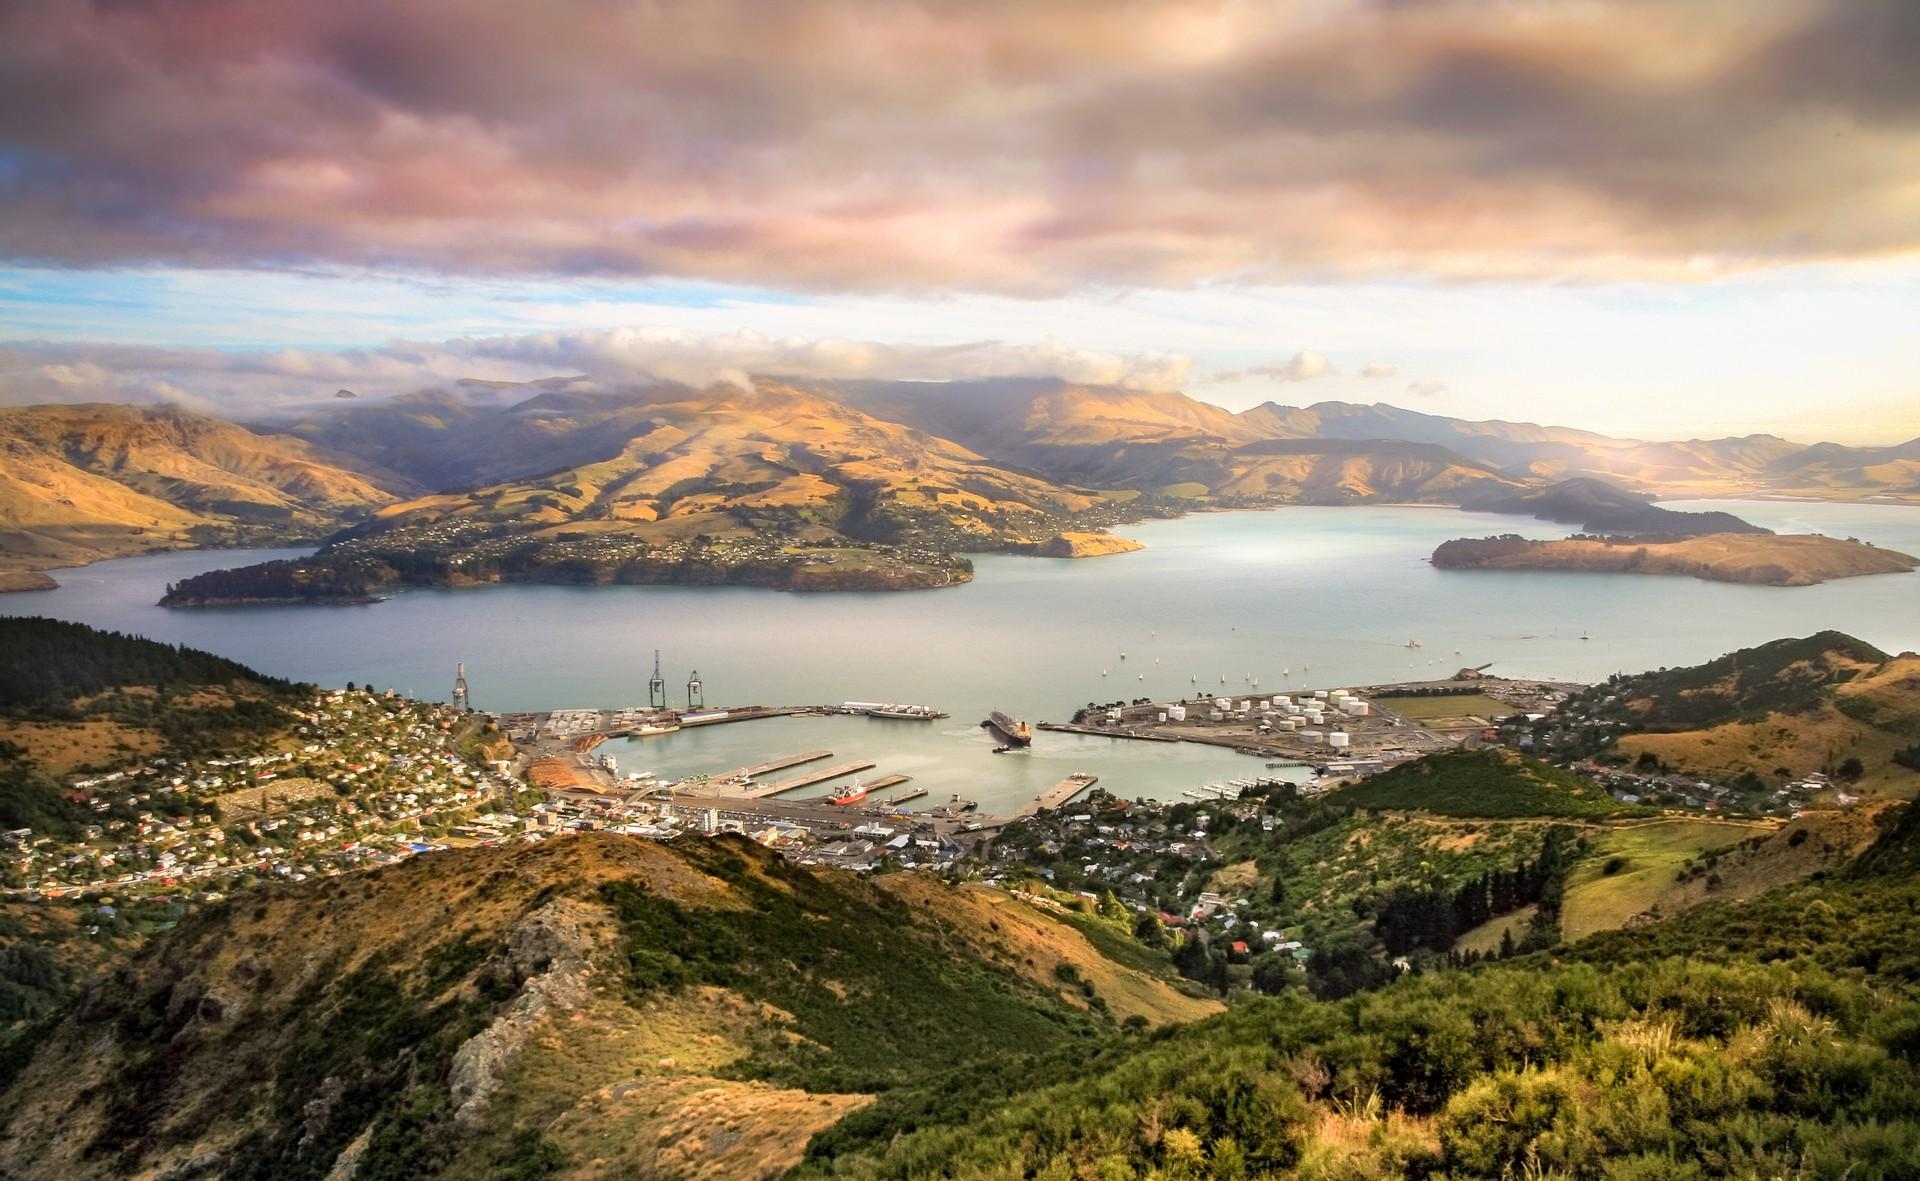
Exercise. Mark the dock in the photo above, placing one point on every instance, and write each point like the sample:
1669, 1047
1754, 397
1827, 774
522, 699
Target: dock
904, 796
812, 756
888, 781
1057, 795
806, 780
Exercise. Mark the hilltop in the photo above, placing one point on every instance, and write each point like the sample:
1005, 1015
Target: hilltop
691, 1009
85, 482
1775, 714
1761, 559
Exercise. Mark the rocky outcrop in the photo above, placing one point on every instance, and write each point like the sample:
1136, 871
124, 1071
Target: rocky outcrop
1085, 545
550, 952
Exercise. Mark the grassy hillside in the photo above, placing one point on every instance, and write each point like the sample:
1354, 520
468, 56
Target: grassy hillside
73, 697
1486, 783
1773, 713
690, 1009
1782, 1044
80, 483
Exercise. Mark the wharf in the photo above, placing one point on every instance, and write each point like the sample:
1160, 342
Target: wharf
812, 756
806, 780
1098, 732
1056, 795
886, 781
904, 796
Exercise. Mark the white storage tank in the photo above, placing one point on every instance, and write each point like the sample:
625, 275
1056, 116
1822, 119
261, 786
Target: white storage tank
1281, 700
1310, 737
1214, 715
1222, 703
1320, 694
1163, 714
1290, 723
1338, 740
1176, 713
1360, 709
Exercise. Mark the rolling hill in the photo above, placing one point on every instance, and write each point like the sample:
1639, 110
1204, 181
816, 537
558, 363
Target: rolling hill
1490, 783
602, 1004
73, 698
85, 482
769, 486
1777, 713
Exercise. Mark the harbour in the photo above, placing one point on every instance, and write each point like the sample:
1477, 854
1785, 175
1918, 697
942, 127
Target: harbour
1298, 601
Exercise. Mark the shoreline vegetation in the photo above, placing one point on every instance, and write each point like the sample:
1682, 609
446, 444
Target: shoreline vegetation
1758, 559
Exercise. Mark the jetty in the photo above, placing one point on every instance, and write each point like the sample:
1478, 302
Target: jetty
904, 796
1056, 795
886, 781
807, 779
812, 756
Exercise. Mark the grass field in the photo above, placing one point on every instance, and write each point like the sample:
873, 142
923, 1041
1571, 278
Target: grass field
1485, 938
1467, 704
1651, 856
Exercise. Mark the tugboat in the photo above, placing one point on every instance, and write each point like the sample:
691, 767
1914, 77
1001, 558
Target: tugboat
1016, 733
851, 793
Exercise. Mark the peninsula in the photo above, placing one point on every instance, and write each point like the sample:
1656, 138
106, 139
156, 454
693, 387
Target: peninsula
1759, 558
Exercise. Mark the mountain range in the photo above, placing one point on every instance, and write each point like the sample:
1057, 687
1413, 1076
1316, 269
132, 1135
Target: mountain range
793, 483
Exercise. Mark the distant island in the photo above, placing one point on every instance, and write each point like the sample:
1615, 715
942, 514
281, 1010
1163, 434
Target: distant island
1762, 559
1597, 506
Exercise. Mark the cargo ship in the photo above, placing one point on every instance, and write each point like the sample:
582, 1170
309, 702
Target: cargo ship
908, 713
648, 729
851, 793
1016, 733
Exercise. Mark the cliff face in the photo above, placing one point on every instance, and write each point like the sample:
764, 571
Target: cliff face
1762, 559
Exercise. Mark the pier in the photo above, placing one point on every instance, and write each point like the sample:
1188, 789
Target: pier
886, 781
806, 780
904, 796
1056, 795
812, 756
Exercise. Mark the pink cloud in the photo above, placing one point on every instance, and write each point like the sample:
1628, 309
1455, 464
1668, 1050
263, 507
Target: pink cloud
990, 145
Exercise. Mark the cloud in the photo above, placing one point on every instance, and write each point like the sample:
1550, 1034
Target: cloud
1426, 389
254, 383
1304, 365
1379, 369
982, 145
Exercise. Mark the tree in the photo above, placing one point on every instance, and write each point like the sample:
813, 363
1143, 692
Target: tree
1148, 929
1278, 895
1852, 768
1272, 973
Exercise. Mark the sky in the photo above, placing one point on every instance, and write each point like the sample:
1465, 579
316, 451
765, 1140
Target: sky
1654, 219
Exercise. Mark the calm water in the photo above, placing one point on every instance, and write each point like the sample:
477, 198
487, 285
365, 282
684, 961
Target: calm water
1298, 597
